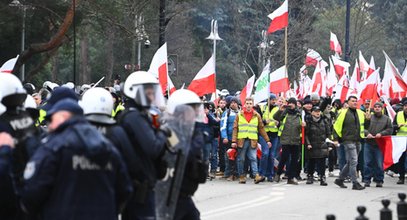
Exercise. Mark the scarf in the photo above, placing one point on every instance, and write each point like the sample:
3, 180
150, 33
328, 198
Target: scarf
248, 114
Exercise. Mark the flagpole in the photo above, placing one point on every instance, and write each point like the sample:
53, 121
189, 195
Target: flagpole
286, 47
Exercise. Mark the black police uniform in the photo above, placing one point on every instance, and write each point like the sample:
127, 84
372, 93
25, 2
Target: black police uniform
19, 124
196, 171
76, 173
149, 143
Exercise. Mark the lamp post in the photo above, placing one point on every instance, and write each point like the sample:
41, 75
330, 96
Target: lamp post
17, 3
141, 35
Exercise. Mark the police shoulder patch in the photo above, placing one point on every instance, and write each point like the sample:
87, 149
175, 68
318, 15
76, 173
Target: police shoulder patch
29, 170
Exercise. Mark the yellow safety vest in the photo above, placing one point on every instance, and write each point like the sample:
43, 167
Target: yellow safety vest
247, 129
41, 118
280, 130
401, 120
341, 118
267, 115
119, 107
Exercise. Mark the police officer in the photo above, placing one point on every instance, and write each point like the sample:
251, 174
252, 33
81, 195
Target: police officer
75, 173
97, 104
17, 122
196, 169
143, 92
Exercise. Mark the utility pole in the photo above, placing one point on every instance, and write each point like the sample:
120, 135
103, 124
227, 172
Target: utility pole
162, 24
347, 46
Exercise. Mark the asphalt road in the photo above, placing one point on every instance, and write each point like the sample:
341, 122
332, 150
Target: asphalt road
220, 199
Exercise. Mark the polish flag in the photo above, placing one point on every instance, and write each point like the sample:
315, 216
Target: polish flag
279, 18
368, 88
171, 86
247, 90
390, 110
334, 44
354, 80
204, 81
392, 148
279, 81
331, 79
404, 74
342, 88
8, 66
341, 67
318, 81
312, 58
393, 83
363, 64
372, 67
159, 66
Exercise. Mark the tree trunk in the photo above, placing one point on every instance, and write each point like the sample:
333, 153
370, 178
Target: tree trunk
55, 64
109, 57
84, 57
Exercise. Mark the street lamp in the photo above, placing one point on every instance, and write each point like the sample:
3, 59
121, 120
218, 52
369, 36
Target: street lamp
141, 35
263, 47
16, 3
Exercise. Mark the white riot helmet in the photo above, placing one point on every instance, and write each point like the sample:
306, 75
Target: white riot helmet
69, 85
185, 97
224, 92
144, 89
97, 104
12, 90
31, 107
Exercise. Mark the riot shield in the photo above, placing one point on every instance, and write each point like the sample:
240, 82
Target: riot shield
181, 124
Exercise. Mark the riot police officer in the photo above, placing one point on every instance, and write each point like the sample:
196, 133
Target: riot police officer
196, 169
17, 122
97, 104
143, 92
76, 173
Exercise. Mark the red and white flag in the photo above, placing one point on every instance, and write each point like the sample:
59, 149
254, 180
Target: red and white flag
318, 82
247, 90
368, 88
279, 18
390, 110
8, 66
312, 58
334, 44
404, 74
354, 80
279, 81
392, 148
331, 79
171, 86
342, 88
341, 67
204, 81
159, 66
363, 64
393, 83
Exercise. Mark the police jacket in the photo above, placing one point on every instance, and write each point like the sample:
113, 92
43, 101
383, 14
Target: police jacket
75, 174
19, 124
146, 140
196, 170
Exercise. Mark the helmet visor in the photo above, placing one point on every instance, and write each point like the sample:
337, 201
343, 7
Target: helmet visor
149, 95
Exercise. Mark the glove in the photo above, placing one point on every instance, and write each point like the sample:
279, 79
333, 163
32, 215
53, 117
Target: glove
166, 130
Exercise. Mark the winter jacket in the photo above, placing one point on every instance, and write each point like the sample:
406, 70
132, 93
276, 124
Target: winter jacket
378, 124
316, 133
291, 133
260, 129
226, 123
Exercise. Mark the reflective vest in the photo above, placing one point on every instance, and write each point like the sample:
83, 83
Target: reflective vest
267, 115
41, 117
341, 118
119, 108
401, 120
247, 129
280, 130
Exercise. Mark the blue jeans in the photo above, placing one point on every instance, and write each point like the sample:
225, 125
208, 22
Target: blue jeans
214, 155
251, 155
341, 156
373, 165
351, 151
266, 167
